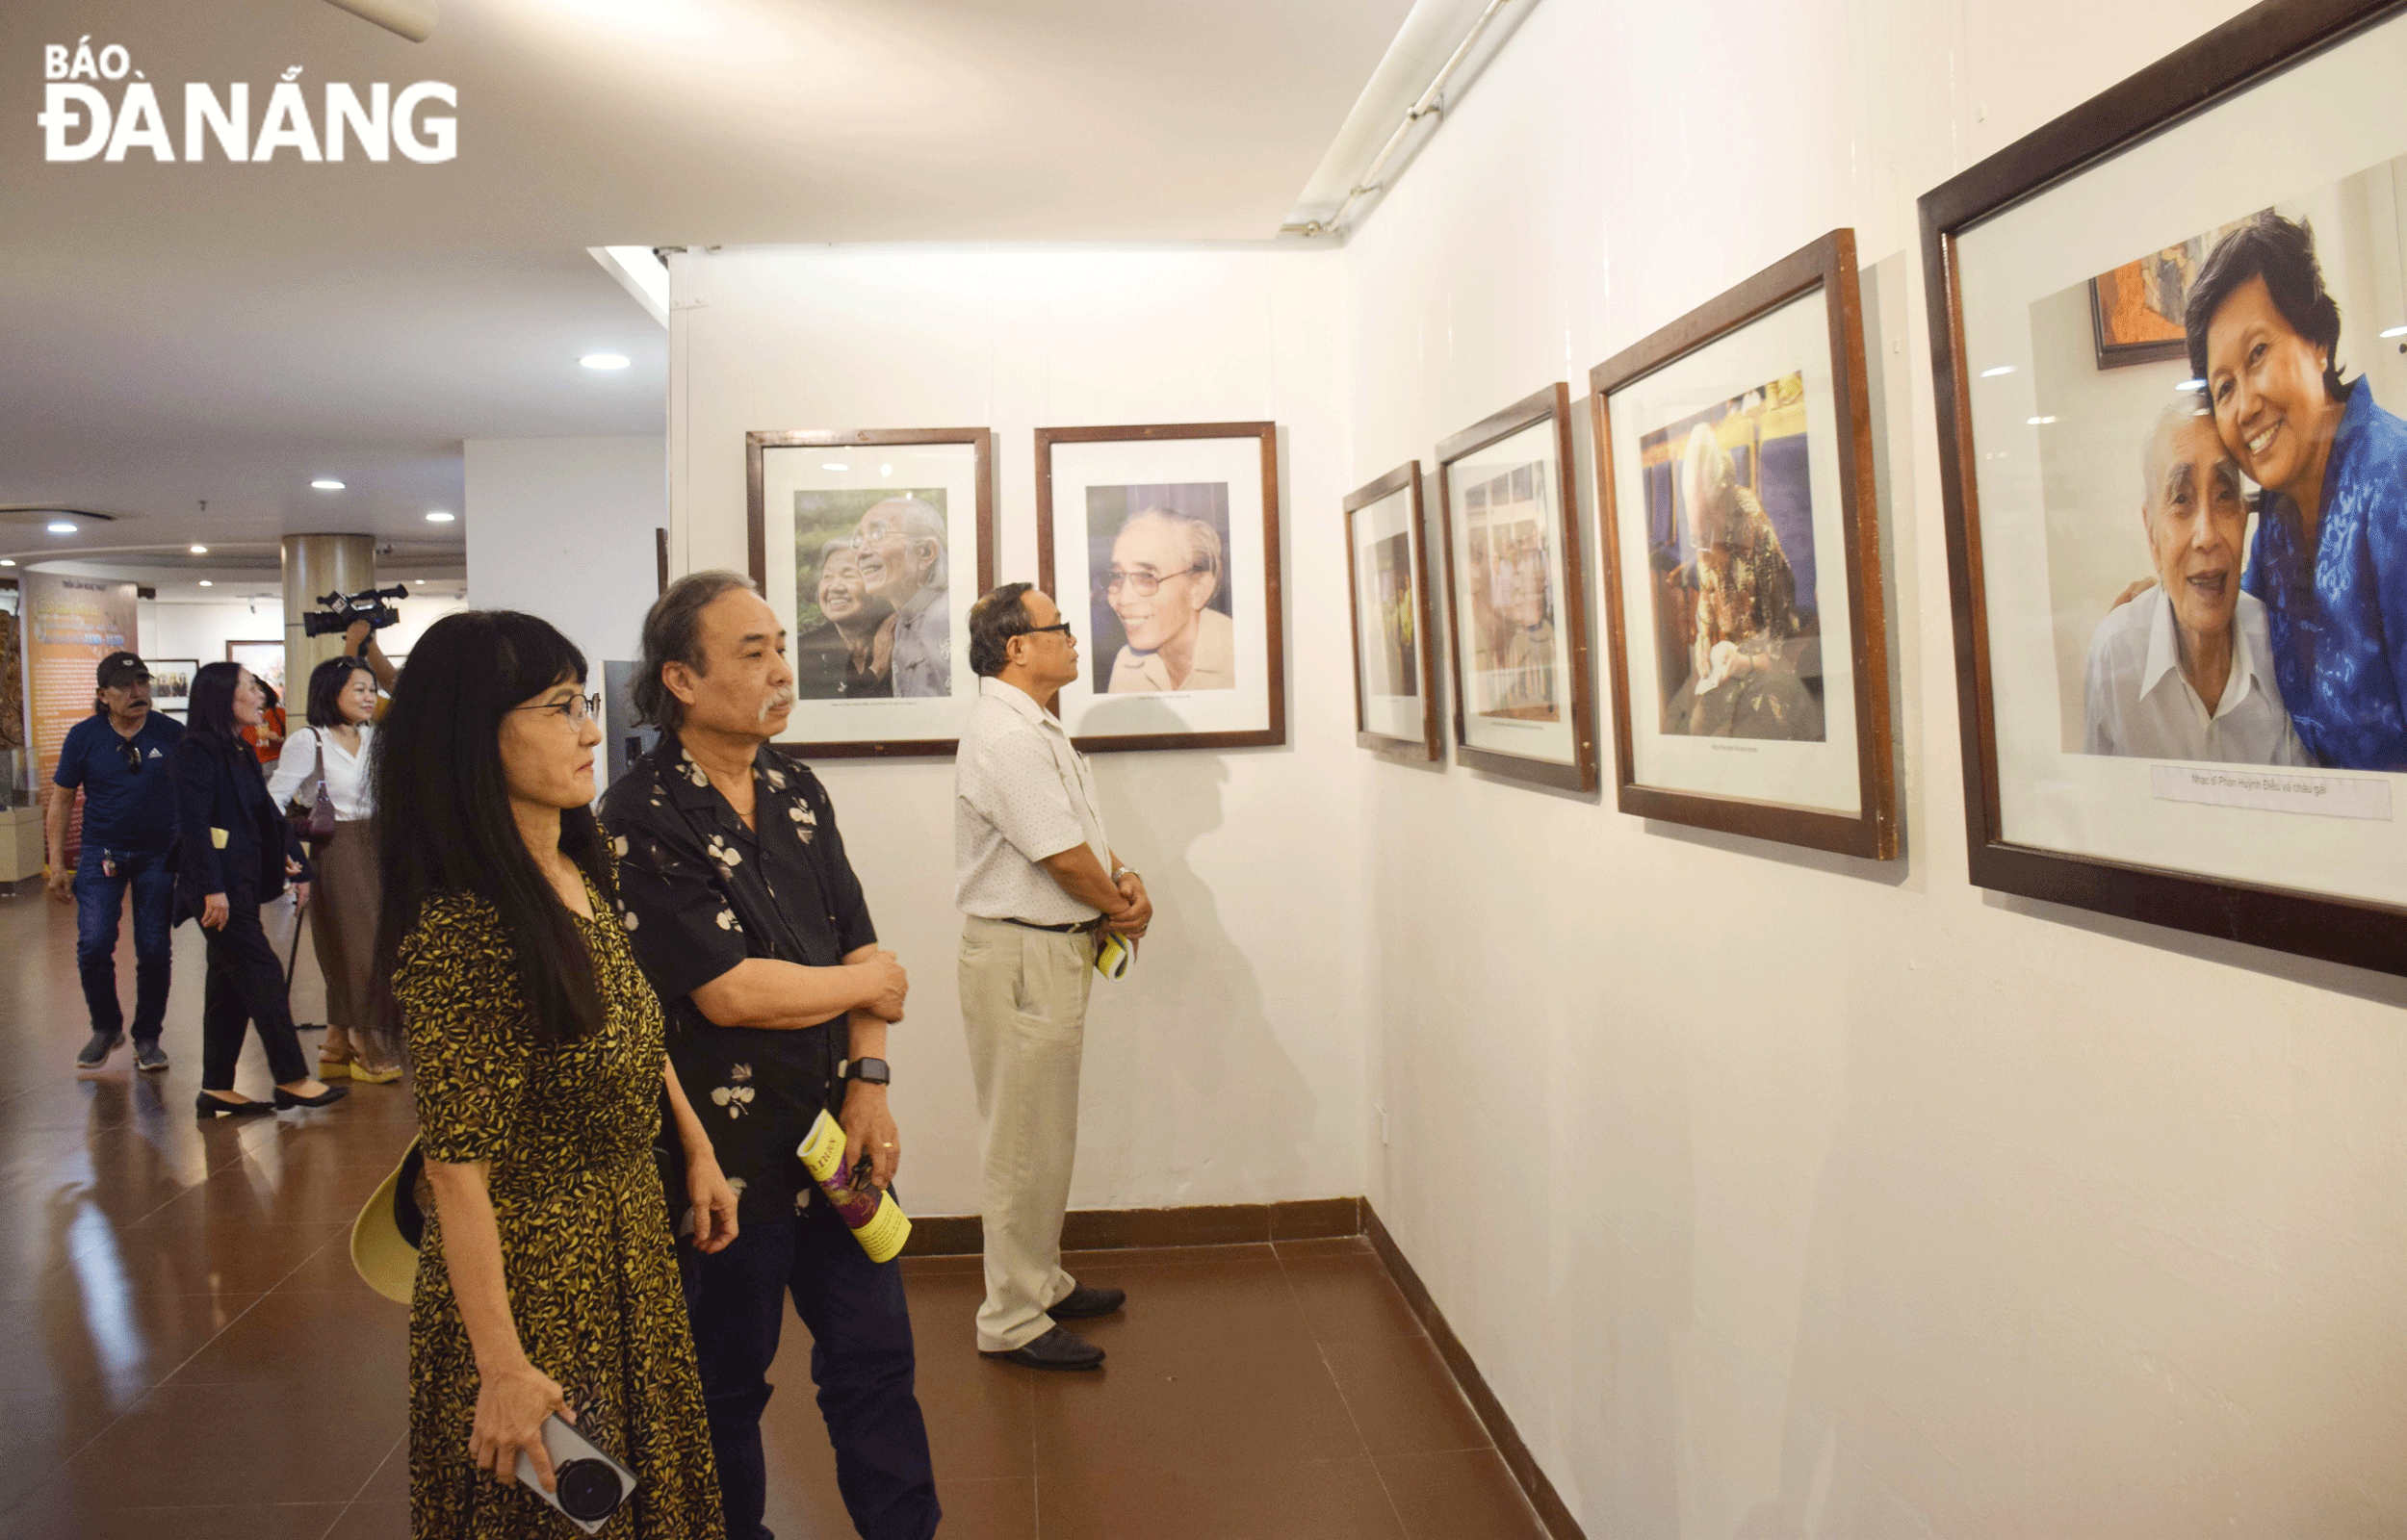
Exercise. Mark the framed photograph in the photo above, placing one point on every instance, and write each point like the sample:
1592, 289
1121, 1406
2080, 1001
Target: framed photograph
263, 659
873, 544
1161, 544
2176, 604
1396, 689
1516, 601
1734, 488
171, 682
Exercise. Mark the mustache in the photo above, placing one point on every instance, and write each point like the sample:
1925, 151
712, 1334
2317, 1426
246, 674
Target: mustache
776, 703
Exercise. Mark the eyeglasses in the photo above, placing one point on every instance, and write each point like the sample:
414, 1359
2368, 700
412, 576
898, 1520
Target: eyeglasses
1062, 627
1142, 583
578, 709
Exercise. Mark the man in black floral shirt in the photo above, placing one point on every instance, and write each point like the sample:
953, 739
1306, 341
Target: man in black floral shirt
748, 919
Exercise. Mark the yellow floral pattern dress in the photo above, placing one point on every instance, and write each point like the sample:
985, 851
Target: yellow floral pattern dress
585, 1248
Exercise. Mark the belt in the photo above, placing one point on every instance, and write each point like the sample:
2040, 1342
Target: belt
1079, 928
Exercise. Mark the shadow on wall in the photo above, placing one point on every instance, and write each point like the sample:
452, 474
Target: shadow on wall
1192, 1005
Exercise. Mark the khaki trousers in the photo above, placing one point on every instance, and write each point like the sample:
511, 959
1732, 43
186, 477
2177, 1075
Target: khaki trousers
1023, 995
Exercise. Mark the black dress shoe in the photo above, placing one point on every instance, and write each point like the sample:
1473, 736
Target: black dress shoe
1055, 1349
325, 1099
1082, 1302
209, 1106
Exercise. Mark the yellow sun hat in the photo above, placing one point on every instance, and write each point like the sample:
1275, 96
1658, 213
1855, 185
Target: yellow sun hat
385, 1237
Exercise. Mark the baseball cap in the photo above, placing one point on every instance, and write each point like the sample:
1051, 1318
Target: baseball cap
121, 668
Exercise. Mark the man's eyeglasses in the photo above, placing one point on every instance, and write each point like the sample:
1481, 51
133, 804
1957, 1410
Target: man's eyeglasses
1141, 584
578, 709
1062, 627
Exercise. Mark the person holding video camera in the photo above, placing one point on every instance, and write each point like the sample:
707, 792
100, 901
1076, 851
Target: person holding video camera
330, 758
546, 1283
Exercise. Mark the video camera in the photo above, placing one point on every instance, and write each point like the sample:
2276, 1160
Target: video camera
340, 611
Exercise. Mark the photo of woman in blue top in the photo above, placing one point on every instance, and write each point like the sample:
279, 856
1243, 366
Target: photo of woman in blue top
2329, 560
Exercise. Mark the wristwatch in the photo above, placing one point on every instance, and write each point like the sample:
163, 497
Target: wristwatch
872, 1071
1124, 871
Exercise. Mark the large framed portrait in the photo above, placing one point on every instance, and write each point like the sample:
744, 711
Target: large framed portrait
873, 545
1734, 487
1516, 601
1395, 687
1160, 544
265, 658
2179, 587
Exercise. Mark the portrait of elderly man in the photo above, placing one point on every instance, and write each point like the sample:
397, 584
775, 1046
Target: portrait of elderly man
900, 543
2185, 670
1165, 569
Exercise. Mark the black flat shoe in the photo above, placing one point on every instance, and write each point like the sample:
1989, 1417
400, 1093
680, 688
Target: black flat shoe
325, 1099
1082, 1302
209, 1106
1055, 1349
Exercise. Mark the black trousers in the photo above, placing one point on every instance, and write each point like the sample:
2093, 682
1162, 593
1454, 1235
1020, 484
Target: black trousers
861, 1360
244, 986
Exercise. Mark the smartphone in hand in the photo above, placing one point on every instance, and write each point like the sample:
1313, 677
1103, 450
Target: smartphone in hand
588, 1486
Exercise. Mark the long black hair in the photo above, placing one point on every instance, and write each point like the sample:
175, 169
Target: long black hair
443, 810
209, 711
326, 684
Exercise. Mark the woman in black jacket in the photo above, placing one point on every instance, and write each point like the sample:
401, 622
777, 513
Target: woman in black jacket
237, 850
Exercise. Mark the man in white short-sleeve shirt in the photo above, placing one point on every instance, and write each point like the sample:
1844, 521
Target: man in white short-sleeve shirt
1035, 880
2185, 670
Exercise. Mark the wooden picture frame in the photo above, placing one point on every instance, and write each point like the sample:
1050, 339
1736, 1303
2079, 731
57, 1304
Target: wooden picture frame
2305, 53
891, 727
1573, 768
1430, 746
171, 682
253, 653
1799, 777
1215, 473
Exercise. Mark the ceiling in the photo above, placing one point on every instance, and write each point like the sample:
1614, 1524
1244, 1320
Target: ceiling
230, 332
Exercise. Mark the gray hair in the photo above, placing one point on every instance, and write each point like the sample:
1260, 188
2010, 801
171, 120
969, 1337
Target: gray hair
1196, 537
918, 520
2183, 411
672, 633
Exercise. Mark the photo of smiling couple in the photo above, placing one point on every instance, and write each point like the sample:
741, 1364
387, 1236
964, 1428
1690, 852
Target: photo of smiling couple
2269, 484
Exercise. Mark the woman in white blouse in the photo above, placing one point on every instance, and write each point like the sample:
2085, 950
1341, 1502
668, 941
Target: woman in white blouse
343, 917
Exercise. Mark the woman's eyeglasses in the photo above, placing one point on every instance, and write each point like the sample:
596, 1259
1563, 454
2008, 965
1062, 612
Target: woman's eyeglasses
578, 709
1140, 584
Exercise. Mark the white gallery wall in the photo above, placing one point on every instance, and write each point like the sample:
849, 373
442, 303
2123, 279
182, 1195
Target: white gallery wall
1774, 1193
565, 529
1827, 1197
1227, 1069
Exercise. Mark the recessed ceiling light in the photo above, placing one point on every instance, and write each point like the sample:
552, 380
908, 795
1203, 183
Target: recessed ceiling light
206, 584
886, 470
2397, 331
422, 582
8, 561
1993, 373
440, 517
200, 550
328, 483
2191, 385
605, 360
61, 526
2039, 422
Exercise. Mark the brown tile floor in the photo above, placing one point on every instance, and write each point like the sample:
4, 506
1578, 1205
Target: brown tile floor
185, 1351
